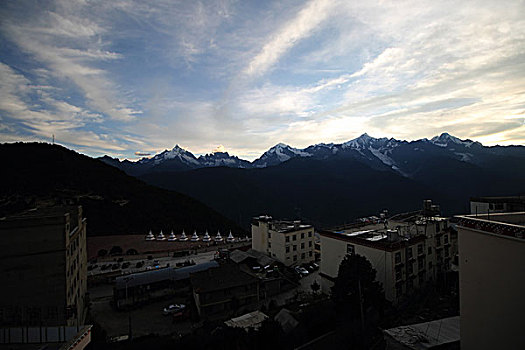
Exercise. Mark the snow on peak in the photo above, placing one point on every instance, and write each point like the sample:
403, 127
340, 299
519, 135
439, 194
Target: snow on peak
445, 139
359, 142
176, 152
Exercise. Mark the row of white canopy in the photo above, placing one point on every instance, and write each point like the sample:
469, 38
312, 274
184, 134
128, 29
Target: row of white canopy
194, 238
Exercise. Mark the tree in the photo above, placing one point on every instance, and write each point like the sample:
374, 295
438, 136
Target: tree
131, 251
356, 282
102, 252
115, 250
315, 287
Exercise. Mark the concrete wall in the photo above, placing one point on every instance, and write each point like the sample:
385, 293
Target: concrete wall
260, 236
492, 289
303, 245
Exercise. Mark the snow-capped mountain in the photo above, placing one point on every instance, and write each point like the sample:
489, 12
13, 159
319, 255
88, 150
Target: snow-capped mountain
278, 154
223, 159
386, 154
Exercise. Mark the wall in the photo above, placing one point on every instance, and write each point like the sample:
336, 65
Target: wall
492, 289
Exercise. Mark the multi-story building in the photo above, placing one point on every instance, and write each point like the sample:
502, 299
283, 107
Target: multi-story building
290, 242
407, 251
491, 280
44, 268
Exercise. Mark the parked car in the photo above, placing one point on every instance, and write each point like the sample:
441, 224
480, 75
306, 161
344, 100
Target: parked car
125, 265
301, 271
173, 308
139, 264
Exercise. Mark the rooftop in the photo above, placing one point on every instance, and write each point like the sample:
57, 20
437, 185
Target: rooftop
153, 276
250, 320
426, 335
500, 199
380, 236
281, 226
503, 224
219, 278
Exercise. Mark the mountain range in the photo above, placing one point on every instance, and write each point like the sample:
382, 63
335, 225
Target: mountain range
379, 153
329, 184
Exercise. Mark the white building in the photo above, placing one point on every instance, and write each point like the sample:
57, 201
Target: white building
491, 280
290, 242
407, 251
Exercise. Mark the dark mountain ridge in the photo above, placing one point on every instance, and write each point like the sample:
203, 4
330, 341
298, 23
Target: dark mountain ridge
40, 174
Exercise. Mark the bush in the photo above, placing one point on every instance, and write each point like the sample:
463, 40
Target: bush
115, 250
131, 251
102, 252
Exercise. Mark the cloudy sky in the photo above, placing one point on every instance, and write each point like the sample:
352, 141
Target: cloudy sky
119, 77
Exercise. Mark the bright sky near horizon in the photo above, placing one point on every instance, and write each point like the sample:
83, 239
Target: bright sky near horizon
127, 77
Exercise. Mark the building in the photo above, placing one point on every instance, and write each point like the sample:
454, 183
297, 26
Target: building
290, 242
488, 205
491, 280
223, 290
407, 251
44, 268
140, 287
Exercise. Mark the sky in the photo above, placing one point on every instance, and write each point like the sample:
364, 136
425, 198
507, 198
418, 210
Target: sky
130, 78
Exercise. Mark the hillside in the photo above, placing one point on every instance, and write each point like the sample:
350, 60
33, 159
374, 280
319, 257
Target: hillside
40, 174
323, 192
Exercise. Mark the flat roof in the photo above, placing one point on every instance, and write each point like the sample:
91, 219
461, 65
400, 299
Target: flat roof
503, 224
374, 236
163, 274
427, 335
499, 199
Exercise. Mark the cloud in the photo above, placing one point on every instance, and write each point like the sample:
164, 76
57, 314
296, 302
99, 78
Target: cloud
300, 27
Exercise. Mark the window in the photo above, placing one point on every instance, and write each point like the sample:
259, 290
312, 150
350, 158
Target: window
410, 269
429, 250
350, 249
269, 234
437, 227
399, 274
399, 291
287, 239
398, 257
430, 265
310, 253
421, 264
409, 252
310, 244
447, 253
302, 235
294, 238
421, 279
309, 233
295, 258
303, 256
420, 248
294, 247
302, 245
445, 238
438, 241
269, 244
288, 249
